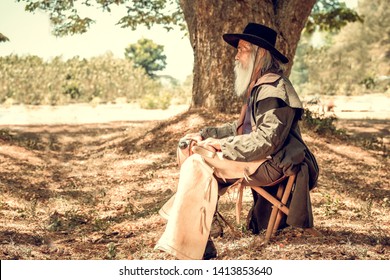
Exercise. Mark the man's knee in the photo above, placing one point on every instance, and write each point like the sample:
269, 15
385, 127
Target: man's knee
265, 174
195, 163
194, 159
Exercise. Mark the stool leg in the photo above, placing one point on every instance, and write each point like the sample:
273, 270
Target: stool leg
271, 223
284, 199
277, 221
279, 195
274, 214
278, 205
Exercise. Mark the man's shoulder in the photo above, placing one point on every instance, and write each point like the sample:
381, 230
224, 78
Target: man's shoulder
268, 78
277, 86
268, 85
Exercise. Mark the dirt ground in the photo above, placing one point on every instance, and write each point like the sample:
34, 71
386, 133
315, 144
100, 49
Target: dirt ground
92, 191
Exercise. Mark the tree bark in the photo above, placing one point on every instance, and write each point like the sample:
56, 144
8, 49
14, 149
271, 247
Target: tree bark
207, 21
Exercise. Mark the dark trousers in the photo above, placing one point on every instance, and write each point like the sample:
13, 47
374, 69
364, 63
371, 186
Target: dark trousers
260, 212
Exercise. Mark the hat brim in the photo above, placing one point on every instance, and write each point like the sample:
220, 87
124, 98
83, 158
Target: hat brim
233, 39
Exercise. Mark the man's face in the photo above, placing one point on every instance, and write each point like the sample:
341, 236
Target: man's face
244, 60
244, 53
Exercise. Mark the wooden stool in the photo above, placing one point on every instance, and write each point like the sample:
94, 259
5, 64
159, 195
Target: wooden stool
279, 201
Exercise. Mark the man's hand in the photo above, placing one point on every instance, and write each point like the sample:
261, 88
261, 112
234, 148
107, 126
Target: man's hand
194, 136
210, 144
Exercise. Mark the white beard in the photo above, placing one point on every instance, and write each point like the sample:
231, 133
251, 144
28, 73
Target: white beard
243, 75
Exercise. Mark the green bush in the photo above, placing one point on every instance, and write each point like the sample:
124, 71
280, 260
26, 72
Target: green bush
72, 90
31, 80
321, 124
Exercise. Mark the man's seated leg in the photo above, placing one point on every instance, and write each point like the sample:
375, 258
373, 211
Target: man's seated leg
259, 214
190, 213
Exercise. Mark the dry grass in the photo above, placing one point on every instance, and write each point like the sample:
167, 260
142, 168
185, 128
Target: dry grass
93, 191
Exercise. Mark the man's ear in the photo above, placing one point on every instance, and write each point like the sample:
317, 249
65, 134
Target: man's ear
261, 52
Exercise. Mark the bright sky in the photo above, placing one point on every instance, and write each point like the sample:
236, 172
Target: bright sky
31, 34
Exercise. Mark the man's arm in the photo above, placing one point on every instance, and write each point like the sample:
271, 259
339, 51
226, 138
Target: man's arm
208, 137
227, 129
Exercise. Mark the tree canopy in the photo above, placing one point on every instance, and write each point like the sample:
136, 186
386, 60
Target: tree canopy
147, 55
327, 15
330, 15
66, 19
3, 38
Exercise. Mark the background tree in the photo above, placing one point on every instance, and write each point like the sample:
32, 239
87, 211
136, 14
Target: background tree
354, 60
147, 55
330, 16
206, 22
214, 59
3, 38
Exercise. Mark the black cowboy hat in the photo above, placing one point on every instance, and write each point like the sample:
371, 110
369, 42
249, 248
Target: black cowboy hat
259, 35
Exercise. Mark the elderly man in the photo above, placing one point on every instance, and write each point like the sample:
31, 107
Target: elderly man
265, 143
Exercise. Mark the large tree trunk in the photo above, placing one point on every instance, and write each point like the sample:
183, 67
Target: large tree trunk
213, 84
